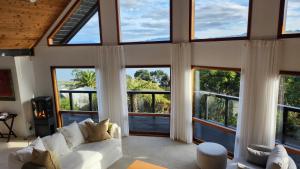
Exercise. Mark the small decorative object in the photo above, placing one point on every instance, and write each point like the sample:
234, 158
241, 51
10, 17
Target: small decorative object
44, 122
6, 86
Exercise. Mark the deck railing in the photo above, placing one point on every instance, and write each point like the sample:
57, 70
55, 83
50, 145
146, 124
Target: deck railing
227, 132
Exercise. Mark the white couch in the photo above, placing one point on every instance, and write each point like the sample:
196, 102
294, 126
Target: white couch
97, 155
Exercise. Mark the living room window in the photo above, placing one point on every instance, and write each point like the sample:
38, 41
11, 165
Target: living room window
75, 94
216, 103
288, 115
80, 26
289, 23
149, 100
144, 21
220, 19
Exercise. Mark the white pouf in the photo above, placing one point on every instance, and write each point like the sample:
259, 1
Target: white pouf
211, 156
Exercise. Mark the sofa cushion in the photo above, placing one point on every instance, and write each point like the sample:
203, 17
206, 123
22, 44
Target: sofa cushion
82, 127
45, 158
258, 155
98, 131
278, 158
57, 144
25, 154
72, 135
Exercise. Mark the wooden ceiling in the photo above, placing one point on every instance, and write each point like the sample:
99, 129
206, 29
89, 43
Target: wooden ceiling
23, 23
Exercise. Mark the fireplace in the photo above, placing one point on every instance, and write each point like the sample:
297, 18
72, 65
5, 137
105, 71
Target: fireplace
43, 116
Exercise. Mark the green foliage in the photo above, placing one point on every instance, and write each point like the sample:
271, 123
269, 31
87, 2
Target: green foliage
65, 103
83, 78
290, 85
151, 81
222, 82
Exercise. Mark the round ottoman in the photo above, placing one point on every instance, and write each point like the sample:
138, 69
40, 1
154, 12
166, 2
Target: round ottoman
211, 156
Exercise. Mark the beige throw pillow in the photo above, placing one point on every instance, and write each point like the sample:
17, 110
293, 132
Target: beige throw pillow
97, 131
47, 159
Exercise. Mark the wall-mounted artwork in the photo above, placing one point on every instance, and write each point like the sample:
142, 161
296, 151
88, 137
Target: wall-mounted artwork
6, 86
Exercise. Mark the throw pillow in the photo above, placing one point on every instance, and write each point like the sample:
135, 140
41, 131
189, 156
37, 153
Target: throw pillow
72, 135
257, 156
45, 158
82, 127
25, 154
56, 143
97, 131
278, 158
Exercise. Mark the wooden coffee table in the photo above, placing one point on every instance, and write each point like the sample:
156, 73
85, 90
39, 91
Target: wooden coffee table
143, 165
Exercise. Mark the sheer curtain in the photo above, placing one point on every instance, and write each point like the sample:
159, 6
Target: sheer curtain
181, 93
258, 96
111, 86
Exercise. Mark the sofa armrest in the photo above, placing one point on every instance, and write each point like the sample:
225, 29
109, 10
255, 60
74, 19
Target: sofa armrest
115, 131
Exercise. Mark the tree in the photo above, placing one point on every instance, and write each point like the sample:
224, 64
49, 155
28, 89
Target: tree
161, 77
142, 74
83, 78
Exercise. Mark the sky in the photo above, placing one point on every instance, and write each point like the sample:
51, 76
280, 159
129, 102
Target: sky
149, 20
293, 16
89, 33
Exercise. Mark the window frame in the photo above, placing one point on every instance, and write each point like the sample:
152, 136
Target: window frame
281, 22
56, 97
192, 22
149, 114
118, 19
64, 19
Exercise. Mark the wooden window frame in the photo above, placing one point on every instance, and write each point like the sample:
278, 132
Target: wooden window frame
56, 94
65, 18
281, 22
192, 22
145, 42
155, 134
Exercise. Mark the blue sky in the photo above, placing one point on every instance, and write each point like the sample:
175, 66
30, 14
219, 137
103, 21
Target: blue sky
149, 20
293, 16
89, 33
144, 20
220, 18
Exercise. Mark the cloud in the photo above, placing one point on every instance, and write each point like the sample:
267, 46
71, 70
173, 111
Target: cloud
293, 16
216, 18
144, 19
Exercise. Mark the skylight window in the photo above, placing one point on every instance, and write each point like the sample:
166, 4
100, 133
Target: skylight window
80, 25
89, 33
214, 19
291, 17
144, 20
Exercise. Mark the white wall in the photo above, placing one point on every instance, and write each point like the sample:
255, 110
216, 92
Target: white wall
16, 106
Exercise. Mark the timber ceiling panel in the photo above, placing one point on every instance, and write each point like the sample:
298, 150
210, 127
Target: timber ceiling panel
22, 23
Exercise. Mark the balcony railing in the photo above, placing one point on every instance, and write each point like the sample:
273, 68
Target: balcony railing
220, 129
149, 112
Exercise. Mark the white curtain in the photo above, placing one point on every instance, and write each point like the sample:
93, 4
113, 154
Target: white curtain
111, 86
181, 93
258, 96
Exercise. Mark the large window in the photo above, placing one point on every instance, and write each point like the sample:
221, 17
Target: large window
219, 19
81, 25
289, 18
75, 91
144, 21
216, 102
288, 117
149, 103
